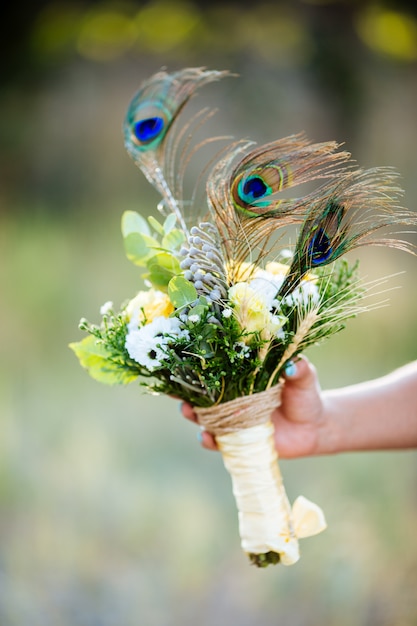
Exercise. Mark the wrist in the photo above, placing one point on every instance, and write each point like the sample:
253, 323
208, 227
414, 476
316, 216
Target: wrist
330, 432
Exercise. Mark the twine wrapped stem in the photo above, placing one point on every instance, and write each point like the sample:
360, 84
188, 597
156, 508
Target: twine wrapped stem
269, 528
243, 412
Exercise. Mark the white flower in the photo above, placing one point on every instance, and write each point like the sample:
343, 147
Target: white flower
227, 313
106, 307
147, 345
306, 293
268, 282
266, 285
194, 318
276, 326
144, 350
241, 349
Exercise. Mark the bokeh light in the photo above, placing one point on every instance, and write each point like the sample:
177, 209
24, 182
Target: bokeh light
389, 33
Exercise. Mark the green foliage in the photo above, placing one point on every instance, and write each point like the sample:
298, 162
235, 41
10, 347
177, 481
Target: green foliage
213, 366
133, 222
140, 248
100, 363
181, 292
157, 251
343, 284
162, 268
103, 353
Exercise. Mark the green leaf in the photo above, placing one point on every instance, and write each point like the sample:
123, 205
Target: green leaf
140, 248
181, 292
156, 225
133, 222
173, 240
159, 278
95, 358
169, 223
199, 310
166, 260
162, 268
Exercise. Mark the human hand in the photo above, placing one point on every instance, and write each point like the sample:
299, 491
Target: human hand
299, 419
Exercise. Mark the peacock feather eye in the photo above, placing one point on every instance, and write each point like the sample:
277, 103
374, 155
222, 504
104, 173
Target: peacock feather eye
148, 124
148, 129
252, 188
320, 248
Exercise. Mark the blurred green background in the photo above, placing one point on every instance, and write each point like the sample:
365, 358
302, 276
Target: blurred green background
110, 513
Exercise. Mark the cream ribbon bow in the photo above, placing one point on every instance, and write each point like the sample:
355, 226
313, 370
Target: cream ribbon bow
266, 520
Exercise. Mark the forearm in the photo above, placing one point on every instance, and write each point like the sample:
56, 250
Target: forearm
379, 414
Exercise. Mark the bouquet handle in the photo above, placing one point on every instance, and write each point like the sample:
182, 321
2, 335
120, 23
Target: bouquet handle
269, 527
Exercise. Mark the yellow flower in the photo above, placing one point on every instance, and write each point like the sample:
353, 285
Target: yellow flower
250, 308
277, 269
237, 272
148, 305
280, 269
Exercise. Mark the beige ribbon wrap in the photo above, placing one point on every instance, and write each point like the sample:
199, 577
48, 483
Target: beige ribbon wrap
245, 437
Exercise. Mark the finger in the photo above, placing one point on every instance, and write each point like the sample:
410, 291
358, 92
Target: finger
188, 412
301, 373
207, 440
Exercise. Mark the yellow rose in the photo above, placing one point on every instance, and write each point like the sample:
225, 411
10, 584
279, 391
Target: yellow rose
280, 269
148, 305
240, 271
250, 308
277, 269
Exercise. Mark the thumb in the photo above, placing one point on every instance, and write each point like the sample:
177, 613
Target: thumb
301, 392
301, 374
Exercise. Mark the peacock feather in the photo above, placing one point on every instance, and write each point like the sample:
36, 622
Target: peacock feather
345, 214
254, 191
257, 180
244, 192
149, 130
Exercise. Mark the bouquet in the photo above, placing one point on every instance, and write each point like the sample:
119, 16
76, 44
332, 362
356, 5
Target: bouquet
226, 305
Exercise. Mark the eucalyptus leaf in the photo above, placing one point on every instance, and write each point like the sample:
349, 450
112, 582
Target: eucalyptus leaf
156, 225
181, 292
166, 260
140, 248
173, 240
162, 268
133, 222
199, 310
159, 277
169, 223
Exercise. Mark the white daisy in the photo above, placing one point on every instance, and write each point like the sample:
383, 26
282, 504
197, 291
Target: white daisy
144, 350
241, 349
147, 344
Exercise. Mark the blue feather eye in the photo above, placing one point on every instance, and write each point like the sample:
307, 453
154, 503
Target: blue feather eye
319, 248
252, 188
147, 124
148, 129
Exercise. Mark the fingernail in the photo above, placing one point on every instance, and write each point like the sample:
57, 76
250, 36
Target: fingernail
290, 369
200, 435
